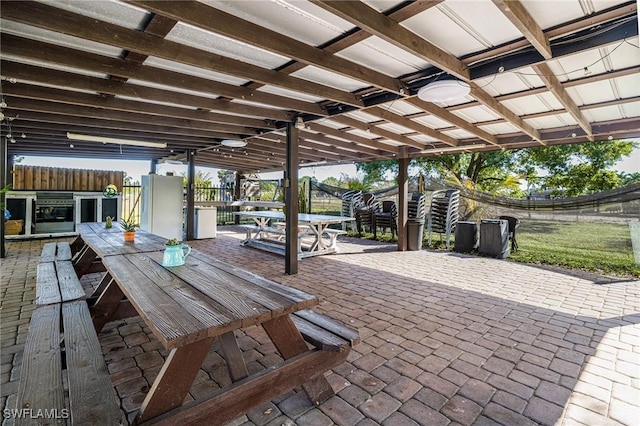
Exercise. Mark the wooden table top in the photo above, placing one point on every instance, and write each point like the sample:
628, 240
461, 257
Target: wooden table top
109, 242
203, 298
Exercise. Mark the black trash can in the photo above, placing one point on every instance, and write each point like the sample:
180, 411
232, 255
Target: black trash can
415, 231
466, 237
494, 238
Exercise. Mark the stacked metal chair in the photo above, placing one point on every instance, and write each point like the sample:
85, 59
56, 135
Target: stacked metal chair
417, 206
350, 201
387, 217
364, 212
443, 214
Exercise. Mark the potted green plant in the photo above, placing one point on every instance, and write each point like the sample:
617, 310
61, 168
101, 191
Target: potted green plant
129, 229
109, 222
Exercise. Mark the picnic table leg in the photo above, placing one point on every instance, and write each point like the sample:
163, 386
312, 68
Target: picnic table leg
288, 340
106, 305
233, 356
174, 380
84, 260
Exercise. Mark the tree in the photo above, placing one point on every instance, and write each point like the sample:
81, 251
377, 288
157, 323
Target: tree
571, 169
577, 168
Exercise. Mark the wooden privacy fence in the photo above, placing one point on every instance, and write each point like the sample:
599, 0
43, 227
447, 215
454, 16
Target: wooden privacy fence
57, 179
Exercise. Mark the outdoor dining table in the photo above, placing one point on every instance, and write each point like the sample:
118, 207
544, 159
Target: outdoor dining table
187, 307
316, 226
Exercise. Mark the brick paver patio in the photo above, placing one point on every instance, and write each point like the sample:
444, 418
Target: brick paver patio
447, 339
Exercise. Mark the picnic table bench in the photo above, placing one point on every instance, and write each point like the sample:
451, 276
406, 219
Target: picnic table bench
315, 238
61, 337
187, 307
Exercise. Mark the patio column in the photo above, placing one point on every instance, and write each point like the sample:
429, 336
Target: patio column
236, 197
154, 167
291, 201
403, 196
191, 177
3, 183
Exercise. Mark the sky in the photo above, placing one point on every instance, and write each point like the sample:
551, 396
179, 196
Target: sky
136, 169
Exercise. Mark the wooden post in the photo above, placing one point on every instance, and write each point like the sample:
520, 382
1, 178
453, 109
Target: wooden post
3, 183
191, 178
291, 201
403, 195
236, 197
154, 167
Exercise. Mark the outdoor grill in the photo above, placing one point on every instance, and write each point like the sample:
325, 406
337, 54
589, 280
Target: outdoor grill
54, 212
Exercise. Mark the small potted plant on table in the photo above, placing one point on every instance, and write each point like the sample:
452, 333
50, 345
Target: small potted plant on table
109, 223
129, 229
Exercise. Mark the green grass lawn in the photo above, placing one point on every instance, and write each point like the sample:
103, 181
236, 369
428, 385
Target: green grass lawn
597, 247
602, 248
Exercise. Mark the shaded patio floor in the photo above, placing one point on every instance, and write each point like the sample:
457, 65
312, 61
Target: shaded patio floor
447, 339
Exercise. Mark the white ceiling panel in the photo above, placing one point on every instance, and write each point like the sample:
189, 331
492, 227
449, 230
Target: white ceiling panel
382, 5
149, 101
436, 27
500, 128
383, 57
300, 20
363, 116
401, 107
114, 12
246, 102
631, 109
331, 79
171, 88
592, 93
481, 20
206, 40
627, 86
195, 71
533, 104
396, 128
563, 11
424, 139
59, 39
53, 66
476, 114
432, 121
606, 113
330, 123
551, 121
458, 134
289, 93
510, 82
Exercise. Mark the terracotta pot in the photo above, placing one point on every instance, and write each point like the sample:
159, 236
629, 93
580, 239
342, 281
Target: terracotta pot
129, 237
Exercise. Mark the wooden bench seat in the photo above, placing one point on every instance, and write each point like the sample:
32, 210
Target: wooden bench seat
323, 332
57, 282
55, 251
63, 369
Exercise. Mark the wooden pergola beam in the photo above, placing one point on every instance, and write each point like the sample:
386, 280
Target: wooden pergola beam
551, 81
515, 11
411, 124
55, 19
388, 29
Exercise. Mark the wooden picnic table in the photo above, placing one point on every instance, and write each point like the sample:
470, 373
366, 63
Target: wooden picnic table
323, 240
187, 307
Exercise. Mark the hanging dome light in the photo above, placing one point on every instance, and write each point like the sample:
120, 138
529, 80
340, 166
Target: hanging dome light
233, 143
444, 91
